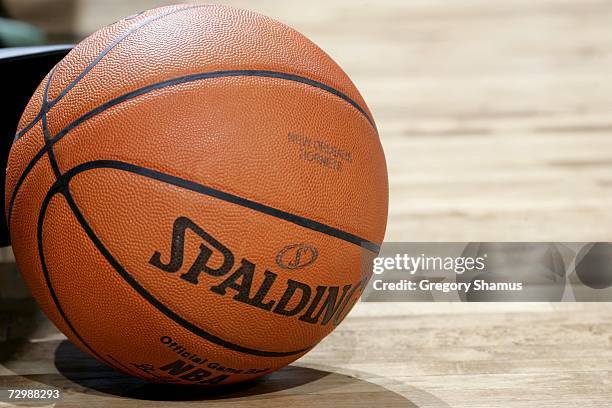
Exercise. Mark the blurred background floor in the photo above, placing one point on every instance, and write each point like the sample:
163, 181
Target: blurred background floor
495, 116
495, 119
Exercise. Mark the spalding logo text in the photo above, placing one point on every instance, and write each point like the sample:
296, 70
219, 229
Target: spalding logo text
318, 305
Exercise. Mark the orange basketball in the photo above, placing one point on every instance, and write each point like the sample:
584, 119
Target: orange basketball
190, 194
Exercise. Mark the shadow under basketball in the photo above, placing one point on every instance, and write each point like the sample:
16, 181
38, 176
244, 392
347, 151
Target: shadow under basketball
290, 384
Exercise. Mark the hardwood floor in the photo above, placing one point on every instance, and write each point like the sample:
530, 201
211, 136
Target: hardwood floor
495, 119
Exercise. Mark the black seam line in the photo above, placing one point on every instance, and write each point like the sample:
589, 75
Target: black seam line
62, 183
109, 48
130, 369
41, 255
167, 83
228, 197
45, 124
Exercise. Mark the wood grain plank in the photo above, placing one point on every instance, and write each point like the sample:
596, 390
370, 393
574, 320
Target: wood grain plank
495, 119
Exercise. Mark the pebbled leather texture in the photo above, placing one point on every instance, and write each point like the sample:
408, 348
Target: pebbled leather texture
233, 148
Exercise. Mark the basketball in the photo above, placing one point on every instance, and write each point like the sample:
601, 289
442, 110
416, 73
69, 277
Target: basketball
191, 193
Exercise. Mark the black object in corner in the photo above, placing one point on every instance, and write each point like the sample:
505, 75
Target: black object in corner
21, 70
